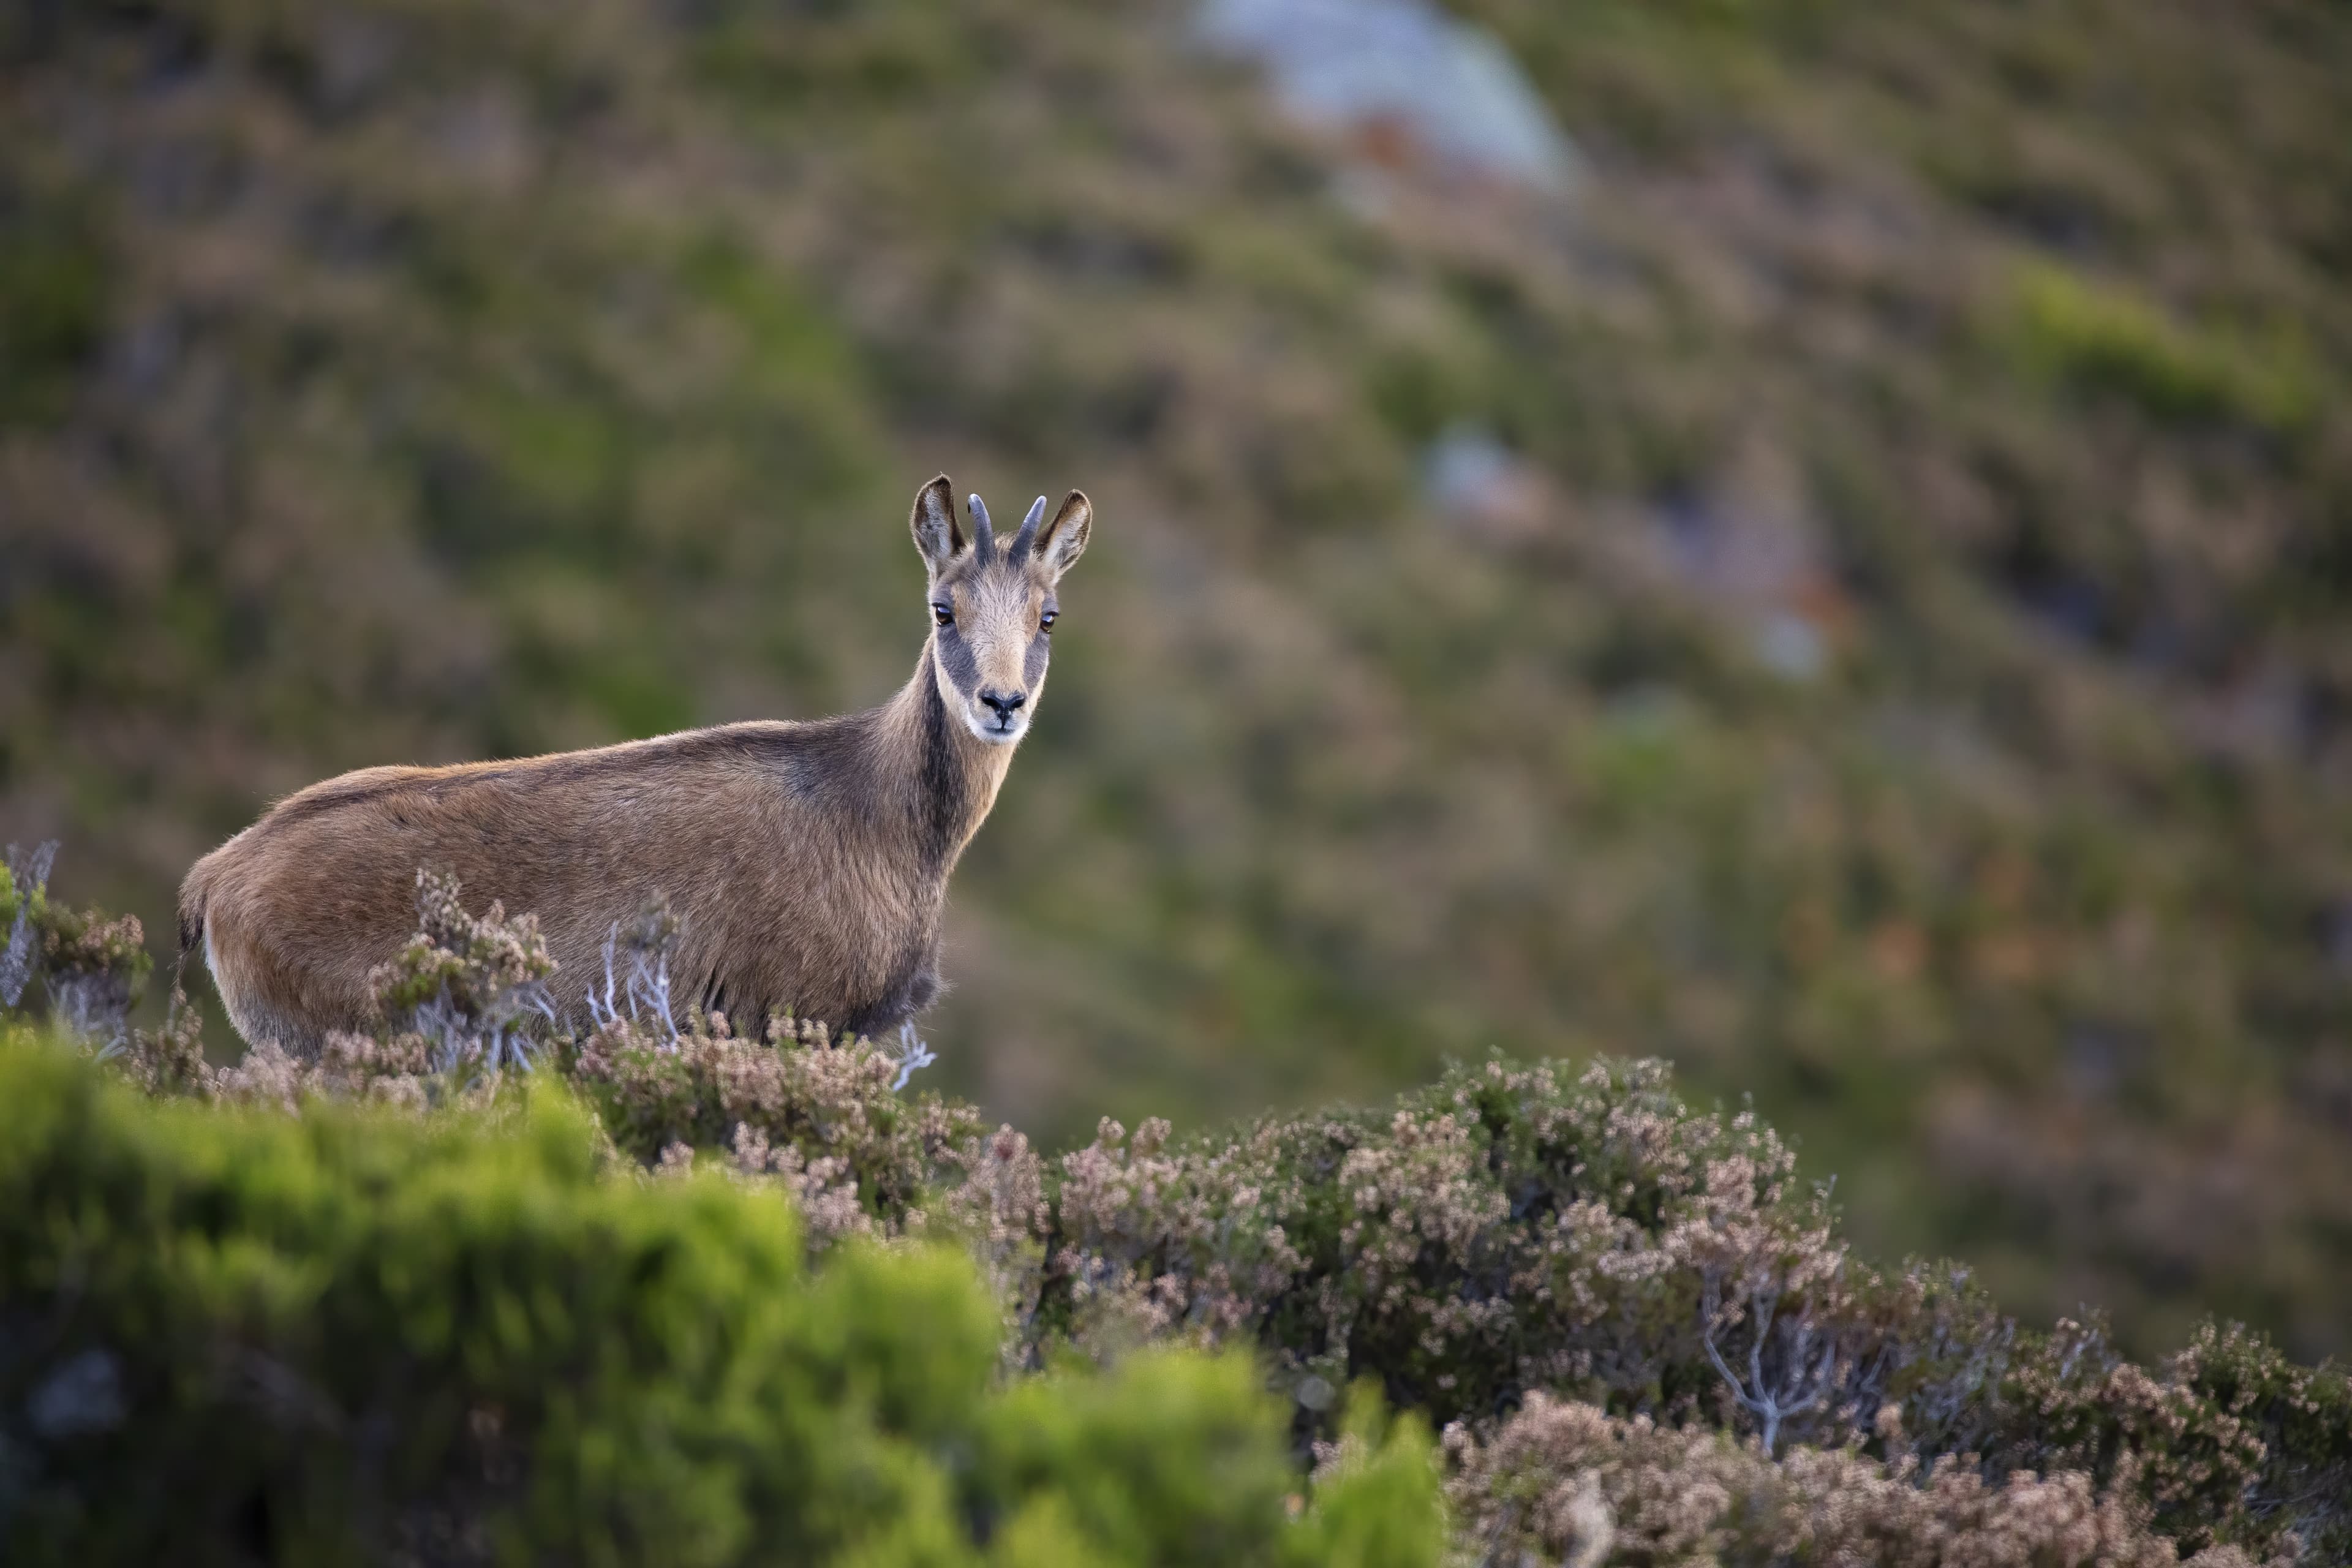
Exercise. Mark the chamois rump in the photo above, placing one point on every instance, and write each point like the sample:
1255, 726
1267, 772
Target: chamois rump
808, 862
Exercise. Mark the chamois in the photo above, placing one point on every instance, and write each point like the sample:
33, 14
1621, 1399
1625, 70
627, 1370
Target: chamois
807, 861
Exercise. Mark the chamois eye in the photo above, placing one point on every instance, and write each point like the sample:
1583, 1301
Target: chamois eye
1046, 622
944, 614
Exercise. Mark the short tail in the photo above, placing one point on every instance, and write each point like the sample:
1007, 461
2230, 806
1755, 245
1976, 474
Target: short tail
192, 920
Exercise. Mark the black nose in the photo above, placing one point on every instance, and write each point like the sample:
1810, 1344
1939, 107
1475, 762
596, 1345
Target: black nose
1005, 703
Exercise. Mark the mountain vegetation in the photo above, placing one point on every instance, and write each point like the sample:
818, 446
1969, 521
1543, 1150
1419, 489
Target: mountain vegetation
1905, 677
641, 1289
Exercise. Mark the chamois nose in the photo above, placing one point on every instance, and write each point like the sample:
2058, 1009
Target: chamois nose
1005, 703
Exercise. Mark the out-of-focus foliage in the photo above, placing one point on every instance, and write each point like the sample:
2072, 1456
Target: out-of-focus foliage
366, 1336
1907, 676
1506, 1240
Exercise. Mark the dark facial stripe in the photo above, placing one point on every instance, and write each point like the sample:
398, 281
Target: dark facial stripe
956, 660
1033, 663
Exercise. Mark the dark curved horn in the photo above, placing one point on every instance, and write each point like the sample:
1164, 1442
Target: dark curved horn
983, 538
1028, 534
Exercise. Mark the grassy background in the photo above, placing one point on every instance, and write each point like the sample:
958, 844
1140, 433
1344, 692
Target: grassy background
418, 379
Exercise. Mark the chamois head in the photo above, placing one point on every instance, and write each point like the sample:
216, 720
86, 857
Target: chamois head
992, 604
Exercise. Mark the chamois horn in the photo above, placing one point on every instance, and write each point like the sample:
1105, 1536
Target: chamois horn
983, 538
1028, 534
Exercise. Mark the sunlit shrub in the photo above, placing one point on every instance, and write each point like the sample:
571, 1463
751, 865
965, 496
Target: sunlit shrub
357, 1335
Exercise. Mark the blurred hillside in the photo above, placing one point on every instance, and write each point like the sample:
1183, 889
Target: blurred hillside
1850, 592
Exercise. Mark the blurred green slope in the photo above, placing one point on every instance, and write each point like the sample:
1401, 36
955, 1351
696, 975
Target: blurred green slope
416, 380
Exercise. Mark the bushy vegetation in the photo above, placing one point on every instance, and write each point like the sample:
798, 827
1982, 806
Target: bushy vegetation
1566, 1478
237, 1336
671, 1293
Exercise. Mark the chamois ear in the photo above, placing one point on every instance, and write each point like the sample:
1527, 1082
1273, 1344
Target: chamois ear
937, 534
1066, 536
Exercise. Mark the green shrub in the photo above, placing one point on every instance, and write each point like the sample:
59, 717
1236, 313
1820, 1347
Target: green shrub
234, 1335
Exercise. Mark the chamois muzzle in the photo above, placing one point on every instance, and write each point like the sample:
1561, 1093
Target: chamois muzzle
1004, 705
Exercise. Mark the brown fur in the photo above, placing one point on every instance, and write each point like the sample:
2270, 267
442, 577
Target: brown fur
808, 861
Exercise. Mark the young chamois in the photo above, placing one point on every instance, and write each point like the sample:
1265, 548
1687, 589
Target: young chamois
808, 862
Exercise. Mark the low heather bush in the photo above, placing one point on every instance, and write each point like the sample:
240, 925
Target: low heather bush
1567, 1479
466, 987
1524, 1231
1512, 1227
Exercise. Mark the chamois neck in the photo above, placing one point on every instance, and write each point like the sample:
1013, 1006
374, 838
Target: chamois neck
944, 777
